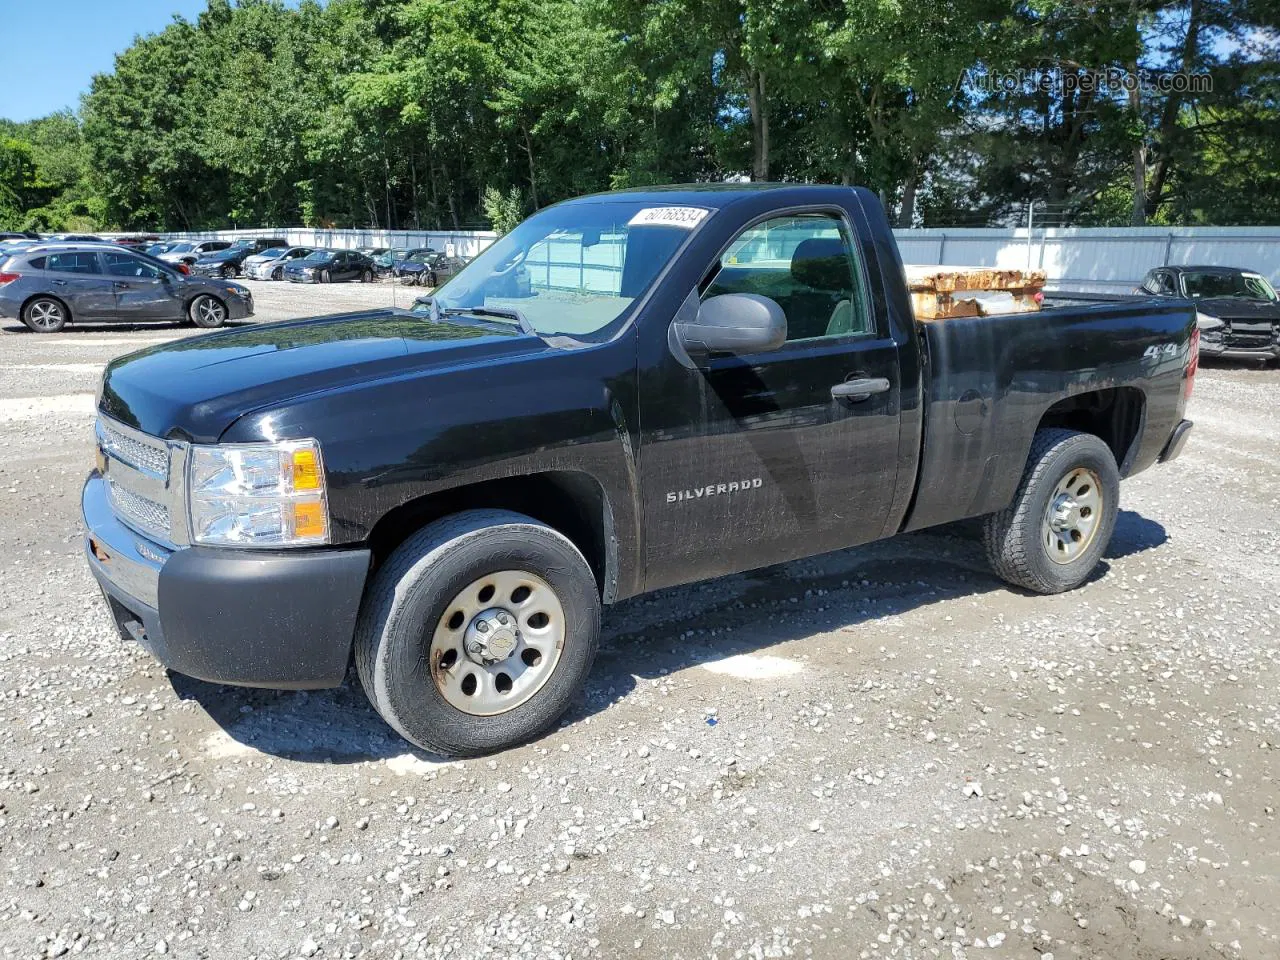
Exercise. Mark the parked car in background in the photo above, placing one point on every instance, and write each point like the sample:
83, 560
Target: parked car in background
163, 246
1237, 311
330, 266
136, 242
189, 251
50, 285
6, 235
270, 264
229, 263
405, 257
386, 258
75, 238
428, 269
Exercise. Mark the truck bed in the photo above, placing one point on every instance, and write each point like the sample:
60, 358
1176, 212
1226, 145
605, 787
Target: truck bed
991, 382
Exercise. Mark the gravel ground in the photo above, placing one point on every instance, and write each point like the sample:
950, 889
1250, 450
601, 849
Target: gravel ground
883, 752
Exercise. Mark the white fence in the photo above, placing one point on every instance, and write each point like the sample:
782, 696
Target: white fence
1096, 259
462, 243
1084, 259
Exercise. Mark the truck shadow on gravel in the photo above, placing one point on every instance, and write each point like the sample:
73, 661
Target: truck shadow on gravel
659, 634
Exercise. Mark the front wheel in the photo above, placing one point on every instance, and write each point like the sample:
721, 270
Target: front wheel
207, 312
324, 276
277, 273
478, 632
228, 273
1051, 537
366, 276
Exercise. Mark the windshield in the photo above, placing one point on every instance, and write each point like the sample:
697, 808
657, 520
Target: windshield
272, 252
1244, 286
319, 255
185, 247
574, 269
421, 256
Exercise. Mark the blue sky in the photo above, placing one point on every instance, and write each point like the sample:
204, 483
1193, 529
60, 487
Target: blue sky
52, 50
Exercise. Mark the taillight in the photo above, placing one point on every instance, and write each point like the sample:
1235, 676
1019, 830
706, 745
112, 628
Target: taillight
8, 278
1193, 361
184, 269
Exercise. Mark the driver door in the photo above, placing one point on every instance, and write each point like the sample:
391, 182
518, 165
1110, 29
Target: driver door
749, 461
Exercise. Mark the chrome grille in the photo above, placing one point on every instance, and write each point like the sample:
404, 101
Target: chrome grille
138, 510
152, 458
146, 480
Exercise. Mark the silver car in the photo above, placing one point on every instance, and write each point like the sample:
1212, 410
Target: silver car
189, 251
270, 264
50, 285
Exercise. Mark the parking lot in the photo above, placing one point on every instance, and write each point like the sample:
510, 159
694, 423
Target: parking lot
878, 753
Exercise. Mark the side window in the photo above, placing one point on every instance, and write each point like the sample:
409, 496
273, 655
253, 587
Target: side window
123, 265
72, 263
807, 264
1164, 284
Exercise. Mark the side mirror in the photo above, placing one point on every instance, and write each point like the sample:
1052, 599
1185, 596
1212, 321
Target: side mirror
735, 323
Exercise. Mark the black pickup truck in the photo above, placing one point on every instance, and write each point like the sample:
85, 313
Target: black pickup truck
628, 391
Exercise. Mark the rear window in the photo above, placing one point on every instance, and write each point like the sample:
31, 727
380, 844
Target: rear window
72, 263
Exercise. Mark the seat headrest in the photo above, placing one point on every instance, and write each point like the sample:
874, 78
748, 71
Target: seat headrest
821, 263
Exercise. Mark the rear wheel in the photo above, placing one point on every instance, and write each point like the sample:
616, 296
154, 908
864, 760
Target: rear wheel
228, 273
324, 276
478, 632
1051, 537
207, 312
366, 276
45, 315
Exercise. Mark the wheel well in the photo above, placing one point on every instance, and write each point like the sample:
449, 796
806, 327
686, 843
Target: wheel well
45, 296
1115, 415
573, 503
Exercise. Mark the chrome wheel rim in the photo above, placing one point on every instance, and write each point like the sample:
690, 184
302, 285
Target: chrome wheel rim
211, 311
45, 315
1072, 516
497, 643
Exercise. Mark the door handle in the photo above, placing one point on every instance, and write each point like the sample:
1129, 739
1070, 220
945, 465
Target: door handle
122, 286
856, 390
58, 283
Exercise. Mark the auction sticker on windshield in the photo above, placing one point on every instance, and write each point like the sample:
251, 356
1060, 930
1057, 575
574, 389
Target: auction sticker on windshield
687, 217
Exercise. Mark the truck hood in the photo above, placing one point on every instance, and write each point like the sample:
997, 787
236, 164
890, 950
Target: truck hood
194, 389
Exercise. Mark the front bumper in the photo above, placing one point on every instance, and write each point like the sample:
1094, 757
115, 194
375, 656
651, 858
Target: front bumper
300, 277
1230, 351
239, 306
279, 618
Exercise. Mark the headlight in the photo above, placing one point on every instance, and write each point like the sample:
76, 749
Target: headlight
258, 495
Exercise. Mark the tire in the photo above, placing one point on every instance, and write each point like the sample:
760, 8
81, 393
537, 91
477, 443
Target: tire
1023, 543
366, 277
45, 315
277, 273
324, 276
432, 281
399, 658
207, 312
228, 273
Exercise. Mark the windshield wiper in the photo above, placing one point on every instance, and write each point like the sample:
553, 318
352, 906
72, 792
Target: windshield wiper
503, 313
